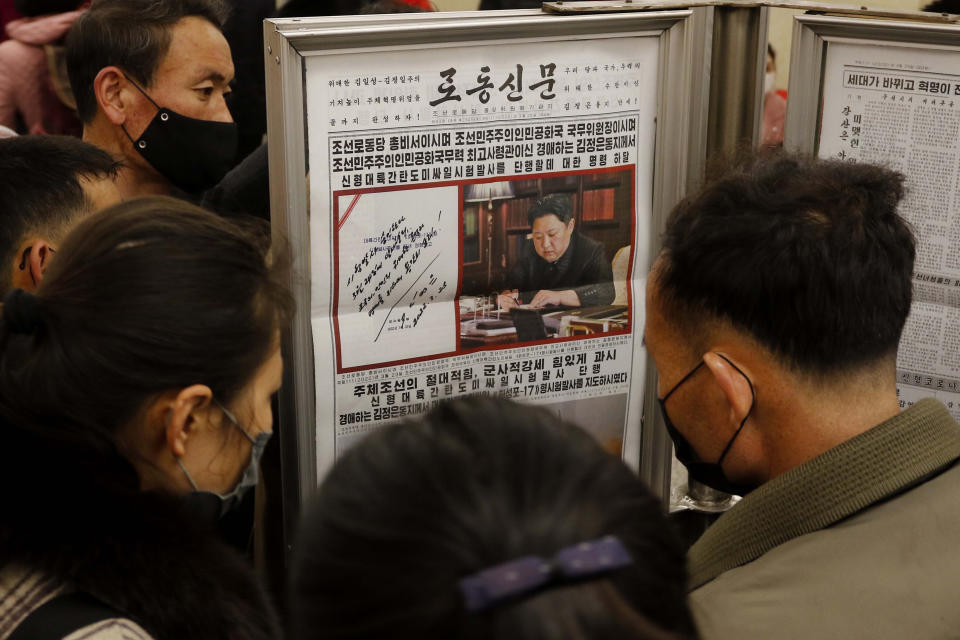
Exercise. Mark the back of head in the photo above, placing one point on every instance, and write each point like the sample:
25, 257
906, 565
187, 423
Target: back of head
41, 188
32, 8
807, 257
417, 506
304, 8
943, 6
145, 297
133, 35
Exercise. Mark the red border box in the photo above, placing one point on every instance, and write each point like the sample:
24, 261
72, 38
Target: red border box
460, 184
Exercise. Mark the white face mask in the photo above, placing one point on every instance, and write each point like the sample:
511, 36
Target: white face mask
769, 81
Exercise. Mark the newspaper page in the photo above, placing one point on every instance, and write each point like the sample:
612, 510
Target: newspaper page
900, 106
424, 165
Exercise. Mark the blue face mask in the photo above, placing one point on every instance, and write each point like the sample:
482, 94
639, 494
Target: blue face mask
221, 504
708, 473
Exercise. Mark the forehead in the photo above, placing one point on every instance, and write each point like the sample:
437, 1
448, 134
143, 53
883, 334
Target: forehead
549, 221
198, 51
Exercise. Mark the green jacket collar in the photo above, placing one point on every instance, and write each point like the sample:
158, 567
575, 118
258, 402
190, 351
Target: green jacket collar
873, 466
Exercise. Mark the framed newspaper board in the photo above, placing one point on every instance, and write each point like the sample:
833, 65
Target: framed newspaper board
406, 156
888, 92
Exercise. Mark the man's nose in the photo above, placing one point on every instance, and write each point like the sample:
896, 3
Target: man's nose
223, 112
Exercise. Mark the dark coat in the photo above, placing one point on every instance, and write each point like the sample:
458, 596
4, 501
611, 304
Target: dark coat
141, 553
583, 267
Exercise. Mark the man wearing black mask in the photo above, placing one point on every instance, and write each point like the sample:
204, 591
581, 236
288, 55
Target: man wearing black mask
150, 80
773, 316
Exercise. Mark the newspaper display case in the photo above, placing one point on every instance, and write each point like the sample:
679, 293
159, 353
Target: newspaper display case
888, 92
405, 153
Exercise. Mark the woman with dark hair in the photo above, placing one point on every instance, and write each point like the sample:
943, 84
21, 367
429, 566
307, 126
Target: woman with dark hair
135, 391
486, 519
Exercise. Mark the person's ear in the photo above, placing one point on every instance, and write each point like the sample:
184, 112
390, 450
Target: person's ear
32, 259
187, 416
39, 259
571, 224
112, 90
734, 385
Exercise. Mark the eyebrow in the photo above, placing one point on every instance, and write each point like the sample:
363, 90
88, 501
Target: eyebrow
211, 74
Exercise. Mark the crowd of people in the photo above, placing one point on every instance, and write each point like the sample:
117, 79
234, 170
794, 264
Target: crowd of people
143, 304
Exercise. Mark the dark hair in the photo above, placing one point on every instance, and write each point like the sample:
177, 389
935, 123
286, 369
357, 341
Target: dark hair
33, 8
144, 297
304, 8
131, 34
309, 8
943, 6
416, 506
487, 5
41, 190
771, 52
807, 256
389, 6
557, 204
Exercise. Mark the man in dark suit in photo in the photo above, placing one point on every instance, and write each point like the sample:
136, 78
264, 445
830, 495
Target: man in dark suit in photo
559, 266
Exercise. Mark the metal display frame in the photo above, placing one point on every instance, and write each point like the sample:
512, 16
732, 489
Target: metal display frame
685, 46
812, 34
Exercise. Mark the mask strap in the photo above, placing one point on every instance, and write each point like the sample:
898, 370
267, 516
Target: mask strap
753, 402
685, 378
187, 473
137, 87
130, 80
127, 133
235, 422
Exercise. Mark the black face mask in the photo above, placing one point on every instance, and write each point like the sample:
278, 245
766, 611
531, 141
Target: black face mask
708, 473
192, 154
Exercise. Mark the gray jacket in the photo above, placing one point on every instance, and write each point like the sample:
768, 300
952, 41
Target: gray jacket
863, 541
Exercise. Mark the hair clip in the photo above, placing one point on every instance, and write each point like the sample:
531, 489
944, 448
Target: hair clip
523, 576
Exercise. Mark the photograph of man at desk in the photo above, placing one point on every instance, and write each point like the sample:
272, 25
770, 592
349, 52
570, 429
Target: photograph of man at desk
555, 277
559, 266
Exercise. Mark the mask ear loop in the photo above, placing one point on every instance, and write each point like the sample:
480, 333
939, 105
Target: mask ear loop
186, 473
684, 379
138, 88
753, 402
142, 144
235, 422
183, 468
